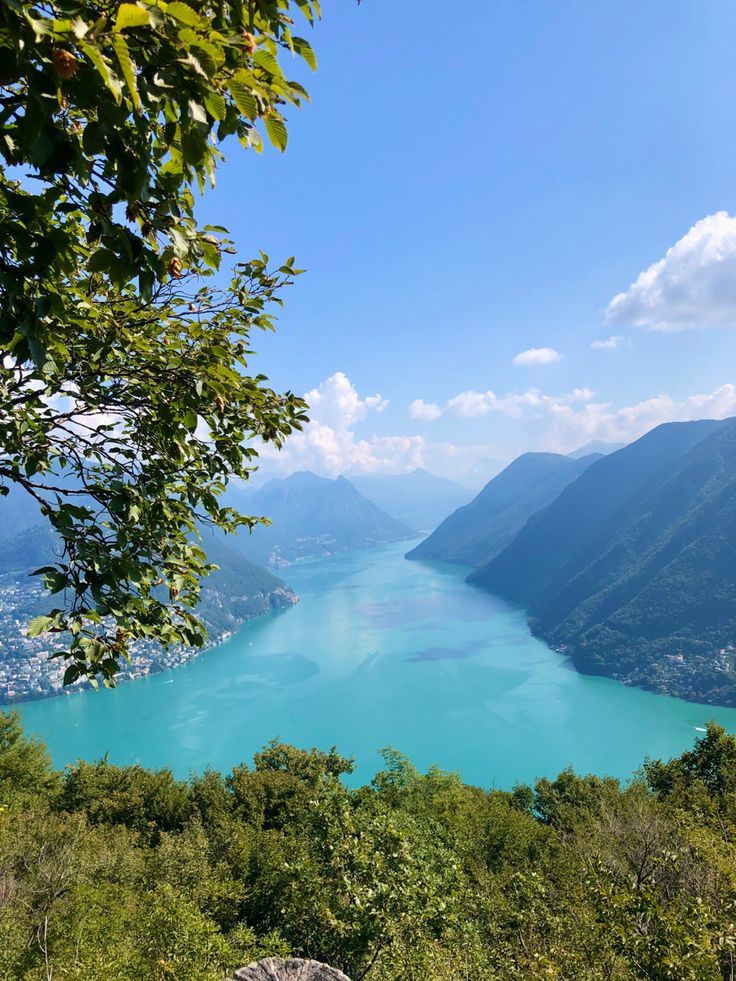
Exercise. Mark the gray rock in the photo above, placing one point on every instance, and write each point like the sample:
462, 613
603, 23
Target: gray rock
274, 969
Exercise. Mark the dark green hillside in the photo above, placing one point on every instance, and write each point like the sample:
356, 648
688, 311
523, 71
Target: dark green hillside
652, 599
477, 532
123, 874
238, 590
569, 525
313, 516
418, 499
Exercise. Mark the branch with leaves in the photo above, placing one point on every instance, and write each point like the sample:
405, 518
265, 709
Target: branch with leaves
126, 386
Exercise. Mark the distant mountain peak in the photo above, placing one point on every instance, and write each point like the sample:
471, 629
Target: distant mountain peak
599, 446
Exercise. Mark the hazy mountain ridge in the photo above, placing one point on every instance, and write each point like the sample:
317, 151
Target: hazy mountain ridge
418, 499
313, 516
477, 532
599, 446
554, 535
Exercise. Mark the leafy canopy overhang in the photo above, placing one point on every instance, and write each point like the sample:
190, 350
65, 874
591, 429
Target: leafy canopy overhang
127, 393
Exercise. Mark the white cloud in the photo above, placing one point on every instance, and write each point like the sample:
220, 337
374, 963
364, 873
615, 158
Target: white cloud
563, 422
536, 356
600, 420
329, 444
471, 404
694, 285
337, 401
608, 344
420, 409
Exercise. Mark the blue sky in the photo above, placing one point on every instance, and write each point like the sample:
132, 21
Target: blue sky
472, 181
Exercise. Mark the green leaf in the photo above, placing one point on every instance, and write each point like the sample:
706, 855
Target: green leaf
131, 15
265, 60
123, 55
304, 49
243, 96
197, 112
215, 105
39, 625
184, 14
277, 132
109, 77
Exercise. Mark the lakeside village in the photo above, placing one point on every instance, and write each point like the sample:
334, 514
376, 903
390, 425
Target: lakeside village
26, 670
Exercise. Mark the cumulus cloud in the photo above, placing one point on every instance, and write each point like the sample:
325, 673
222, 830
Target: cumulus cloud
329, 443
562, 422
694, 285
471, 404
332, 444
601, 420
419, 409
536, 356
337, 401
608, 344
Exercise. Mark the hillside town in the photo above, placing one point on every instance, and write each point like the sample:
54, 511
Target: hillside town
27, 669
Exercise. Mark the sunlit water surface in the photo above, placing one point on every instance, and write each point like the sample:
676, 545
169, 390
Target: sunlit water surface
379, 652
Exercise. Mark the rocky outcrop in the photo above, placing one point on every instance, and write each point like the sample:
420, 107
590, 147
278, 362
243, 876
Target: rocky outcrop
274, 969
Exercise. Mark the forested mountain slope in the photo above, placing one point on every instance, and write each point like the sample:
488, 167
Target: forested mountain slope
567, 526
313, 516
238, 590
632, 569
653, 598
474, 534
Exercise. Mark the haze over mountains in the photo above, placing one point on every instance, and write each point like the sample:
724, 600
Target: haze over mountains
312, 516
598, 446
625, 561
475, 533
629, 565
418, 499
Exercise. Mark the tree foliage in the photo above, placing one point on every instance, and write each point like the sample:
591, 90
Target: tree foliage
127, 393
118, 872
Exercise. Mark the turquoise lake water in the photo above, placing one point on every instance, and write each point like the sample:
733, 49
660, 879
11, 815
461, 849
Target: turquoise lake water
379, 652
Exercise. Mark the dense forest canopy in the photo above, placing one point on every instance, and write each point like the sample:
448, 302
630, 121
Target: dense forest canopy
127, 393
124, 873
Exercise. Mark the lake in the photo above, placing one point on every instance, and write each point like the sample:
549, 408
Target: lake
379, 652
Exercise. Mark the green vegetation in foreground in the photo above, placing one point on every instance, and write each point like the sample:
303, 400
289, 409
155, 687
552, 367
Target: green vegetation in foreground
123, 873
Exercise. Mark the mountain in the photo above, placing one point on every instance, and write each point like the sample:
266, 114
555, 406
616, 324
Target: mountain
554, 535
18, 511
632, 571
237, 591
481, 471
313, 516
418, 499
596, 446
474, 534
